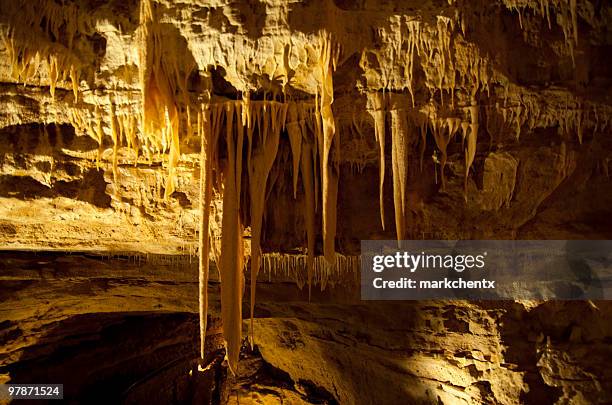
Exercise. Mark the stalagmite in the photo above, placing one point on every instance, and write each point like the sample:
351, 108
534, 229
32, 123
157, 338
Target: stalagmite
377, 111
263, 153
231, 261
399, 162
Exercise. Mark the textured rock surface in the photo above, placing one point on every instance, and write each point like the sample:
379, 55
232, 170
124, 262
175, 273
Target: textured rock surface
441, 119
431, 60
111, 329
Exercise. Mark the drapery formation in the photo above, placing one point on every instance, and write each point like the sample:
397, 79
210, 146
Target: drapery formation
250, 132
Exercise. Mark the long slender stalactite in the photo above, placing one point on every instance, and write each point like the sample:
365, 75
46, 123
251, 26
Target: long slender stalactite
378, 110
329, 171
263, 146
304, 156
399, 163
307, 166
231, 261
207, 142
294, 131
470, 150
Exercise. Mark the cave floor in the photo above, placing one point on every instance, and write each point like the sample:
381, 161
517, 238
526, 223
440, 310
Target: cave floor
124, 330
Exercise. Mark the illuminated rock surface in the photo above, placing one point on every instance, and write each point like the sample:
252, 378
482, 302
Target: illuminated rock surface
131, 330
325, 123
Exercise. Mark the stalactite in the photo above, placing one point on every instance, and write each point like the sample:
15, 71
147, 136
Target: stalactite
90, 124
567, 18
421, 121
414, 39
308, 164
308, 185
329, 175
74, 78
207, 142
344, 270
295, 139
231, 260
160, 84
313, 125
444, 37
377, 110
129, 131
470, 150
399, 163
261, 157
570, 114
174, 154
53, 74
437, 50
42, 33
443, 130
115, 136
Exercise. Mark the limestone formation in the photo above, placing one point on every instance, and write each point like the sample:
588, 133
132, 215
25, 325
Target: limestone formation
261, 135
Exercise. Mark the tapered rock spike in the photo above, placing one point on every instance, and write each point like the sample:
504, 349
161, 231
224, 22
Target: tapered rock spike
399, 163
329, 176
260, 163
377, 111
206, 145
470, 151
295, 139
231, 261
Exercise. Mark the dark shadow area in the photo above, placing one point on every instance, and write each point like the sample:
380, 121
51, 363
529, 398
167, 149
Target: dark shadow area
44, 140
521, 353
350, 4
119, 358
91, 188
